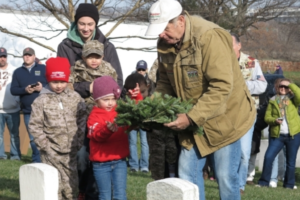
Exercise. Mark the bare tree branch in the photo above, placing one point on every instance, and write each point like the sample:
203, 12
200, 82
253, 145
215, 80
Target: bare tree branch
137, 5
53, 11
146, 49
130, 36
4, 30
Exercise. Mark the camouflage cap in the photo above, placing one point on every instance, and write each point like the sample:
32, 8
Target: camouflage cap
92, 46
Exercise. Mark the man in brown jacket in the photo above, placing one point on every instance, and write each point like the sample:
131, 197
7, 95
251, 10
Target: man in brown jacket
196, 61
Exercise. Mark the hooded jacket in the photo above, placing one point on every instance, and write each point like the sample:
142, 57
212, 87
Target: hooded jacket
58, 121
106, 145
206, 70
72, 50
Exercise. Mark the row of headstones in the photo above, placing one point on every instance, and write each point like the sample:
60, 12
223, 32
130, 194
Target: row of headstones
40, 182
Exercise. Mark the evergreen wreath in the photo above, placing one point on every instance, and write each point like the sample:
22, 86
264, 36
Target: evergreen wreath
152, 113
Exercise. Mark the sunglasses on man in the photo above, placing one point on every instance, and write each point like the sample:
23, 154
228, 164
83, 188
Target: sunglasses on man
141, 70
284, 86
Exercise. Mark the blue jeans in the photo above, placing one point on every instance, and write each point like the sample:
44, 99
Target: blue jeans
275, 145
12, 121
190, 168
35, 152
226, 164
134, 162
246, 144
111, 176
274, 173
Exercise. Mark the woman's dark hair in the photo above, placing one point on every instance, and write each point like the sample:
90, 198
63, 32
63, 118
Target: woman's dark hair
133, 79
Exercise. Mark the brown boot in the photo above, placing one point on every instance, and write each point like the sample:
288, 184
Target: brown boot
250, 183
242, 191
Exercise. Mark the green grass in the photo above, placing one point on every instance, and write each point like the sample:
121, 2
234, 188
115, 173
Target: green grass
137, 182
294, 76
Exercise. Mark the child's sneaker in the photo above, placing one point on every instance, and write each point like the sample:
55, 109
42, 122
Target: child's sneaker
212, 178
81, 196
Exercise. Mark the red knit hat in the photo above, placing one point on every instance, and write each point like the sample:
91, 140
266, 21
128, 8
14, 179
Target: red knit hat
105, 86
57, 69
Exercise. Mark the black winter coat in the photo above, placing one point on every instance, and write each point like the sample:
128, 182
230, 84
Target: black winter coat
72, 51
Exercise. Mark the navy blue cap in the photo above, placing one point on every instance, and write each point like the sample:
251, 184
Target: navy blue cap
141, 65
3, 51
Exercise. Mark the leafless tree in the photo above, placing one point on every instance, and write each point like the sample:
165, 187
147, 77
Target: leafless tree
273, 40
237, 15
64, 12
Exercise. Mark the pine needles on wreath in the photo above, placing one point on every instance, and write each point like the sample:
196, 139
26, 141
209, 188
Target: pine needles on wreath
153, 113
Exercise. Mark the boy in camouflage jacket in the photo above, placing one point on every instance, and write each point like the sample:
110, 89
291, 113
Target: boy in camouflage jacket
57, 123
91, 67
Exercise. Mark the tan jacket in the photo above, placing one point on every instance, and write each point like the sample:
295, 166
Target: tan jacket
207, 71
58, 121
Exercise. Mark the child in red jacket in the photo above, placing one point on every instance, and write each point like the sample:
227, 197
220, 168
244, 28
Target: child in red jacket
108, 142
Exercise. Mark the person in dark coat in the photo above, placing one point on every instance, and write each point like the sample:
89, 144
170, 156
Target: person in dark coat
278, 70
87, 17
84, 29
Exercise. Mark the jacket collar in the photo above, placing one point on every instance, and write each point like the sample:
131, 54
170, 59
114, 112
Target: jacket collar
98, 35
47, 90
80, 65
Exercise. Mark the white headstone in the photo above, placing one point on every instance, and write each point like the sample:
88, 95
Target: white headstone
38, 181
172, 189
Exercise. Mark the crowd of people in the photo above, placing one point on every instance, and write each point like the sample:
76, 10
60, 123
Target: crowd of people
69, 109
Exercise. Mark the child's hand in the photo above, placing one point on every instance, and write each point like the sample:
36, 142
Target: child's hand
112, 126
135, 91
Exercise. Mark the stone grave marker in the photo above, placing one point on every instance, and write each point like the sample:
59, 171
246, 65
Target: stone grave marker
38, 181
172, 189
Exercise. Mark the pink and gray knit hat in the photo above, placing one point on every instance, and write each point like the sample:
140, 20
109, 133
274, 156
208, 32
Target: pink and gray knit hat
105, 86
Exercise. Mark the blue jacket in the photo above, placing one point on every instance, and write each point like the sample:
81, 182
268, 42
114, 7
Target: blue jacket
22, 78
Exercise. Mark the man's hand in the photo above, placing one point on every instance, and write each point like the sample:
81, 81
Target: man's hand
39, 87
112, 126
29, 89
135, 91
181, 123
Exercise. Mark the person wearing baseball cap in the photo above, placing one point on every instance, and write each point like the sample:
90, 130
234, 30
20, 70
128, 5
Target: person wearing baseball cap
27, 82
141, 67
9, 109
196, 61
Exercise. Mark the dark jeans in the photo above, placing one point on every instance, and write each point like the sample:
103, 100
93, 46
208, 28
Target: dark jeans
275, 145
87, 183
